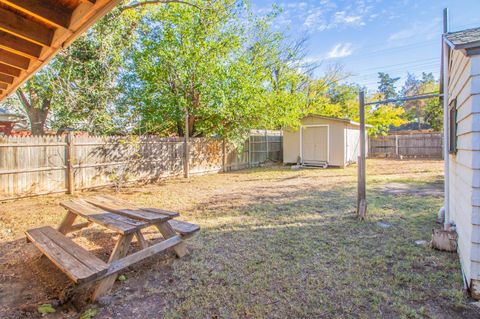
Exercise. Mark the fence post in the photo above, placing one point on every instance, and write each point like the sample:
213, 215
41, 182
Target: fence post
186, 149
224, 155
250, 150
396, 146
69, 163
266, 141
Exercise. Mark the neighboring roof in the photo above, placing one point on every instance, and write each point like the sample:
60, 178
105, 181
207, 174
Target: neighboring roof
337, 119
466, 40
32, 32
9, 117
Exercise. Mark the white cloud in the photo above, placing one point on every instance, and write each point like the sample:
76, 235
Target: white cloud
341, 17
322, 18
340, 50
425, 31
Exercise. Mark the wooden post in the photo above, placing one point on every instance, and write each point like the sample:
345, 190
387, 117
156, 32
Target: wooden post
266, 142
224, 155
250, 150
396, 146
362, 200
186, 149
69, 163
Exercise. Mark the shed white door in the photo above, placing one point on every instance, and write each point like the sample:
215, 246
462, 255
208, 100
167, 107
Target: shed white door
315, 144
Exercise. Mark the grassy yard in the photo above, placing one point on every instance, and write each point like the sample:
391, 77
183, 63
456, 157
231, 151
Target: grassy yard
275, 243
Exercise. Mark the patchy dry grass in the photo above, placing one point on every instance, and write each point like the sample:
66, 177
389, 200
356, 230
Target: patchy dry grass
275, 243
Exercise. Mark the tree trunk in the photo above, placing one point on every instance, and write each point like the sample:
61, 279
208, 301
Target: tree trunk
37, 114
37, 118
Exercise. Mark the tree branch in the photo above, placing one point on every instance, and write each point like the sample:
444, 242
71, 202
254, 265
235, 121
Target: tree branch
23, 99
152, 2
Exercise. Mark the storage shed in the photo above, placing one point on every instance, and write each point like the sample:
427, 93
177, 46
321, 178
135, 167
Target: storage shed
462, 200
321, 141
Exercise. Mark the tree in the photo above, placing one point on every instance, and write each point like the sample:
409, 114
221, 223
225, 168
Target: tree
427, 111
386, 85
78, 86
412, 87
221, 64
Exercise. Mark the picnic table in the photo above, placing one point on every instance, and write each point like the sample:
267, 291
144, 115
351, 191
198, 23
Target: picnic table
125, 219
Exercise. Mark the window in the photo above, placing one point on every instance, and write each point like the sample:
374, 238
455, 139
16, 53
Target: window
452, 123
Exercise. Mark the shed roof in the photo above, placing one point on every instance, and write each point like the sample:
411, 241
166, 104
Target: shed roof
32, 32
468, 40
344, 120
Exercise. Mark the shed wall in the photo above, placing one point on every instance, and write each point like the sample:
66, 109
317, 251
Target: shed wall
352, 144
464, 85
337, 135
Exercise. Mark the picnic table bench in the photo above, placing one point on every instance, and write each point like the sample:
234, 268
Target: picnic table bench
125, 219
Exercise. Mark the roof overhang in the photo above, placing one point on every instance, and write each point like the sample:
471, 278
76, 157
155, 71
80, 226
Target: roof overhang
466, 41
32, 32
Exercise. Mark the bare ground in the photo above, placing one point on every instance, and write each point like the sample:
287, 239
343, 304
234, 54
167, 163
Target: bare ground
275, 243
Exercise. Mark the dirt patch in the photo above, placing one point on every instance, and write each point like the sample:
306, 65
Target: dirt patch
430, 189
274, 243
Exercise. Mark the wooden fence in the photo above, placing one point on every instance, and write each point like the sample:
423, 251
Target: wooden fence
50, 164
423, 145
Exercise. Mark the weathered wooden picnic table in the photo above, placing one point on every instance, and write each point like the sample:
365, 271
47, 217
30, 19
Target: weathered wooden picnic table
125, 219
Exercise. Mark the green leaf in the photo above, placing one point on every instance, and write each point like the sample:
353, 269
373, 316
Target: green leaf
89, 313
46, 309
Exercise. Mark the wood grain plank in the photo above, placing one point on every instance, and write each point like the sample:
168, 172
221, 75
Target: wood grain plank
130, 210
112, 221
130, 205
45, 10
120, 251
64, 260
25, 28
183, 228
123, 263
85, 257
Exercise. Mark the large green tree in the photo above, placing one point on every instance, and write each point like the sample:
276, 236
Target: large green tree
222, 65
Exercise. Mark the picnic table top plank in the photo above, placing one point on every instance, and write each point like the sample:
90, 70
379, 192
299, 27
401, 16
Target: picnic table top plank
112, 221
131, 210
131, 205
77, 263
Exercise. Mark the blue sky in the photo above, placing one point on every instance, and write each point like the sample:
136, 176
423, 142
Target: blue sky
369, 36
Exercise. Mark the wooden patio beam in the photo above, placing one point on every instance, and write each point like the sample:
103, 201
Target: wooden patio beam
45, 10
3, 85
13, 59
18, 45
6, 78
9, 70
25, 28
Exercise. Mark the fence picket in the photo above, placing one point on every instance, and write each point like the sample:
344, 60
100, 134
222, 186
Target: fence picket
38, 165
426, 145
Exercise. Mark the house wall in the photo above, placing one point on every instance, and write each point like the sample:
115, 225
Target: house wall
291, 141
464, 85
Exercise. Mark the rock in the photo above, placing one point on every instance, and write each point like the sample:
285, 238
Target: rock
384, 225
105, 300
421, 242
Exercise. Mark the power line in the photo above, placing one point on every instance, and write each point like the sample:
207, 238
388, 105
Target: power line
400, 64
427, 66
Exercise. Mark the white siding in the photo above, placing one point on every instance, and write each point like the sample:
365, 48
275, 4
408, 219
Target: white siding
352, 144
464, 85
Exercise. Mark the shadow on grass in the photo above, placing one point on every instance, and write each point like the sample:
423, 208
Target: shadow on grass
299, 251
